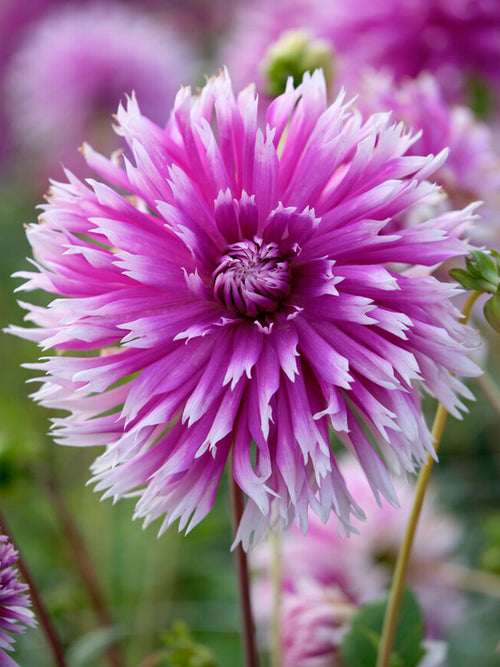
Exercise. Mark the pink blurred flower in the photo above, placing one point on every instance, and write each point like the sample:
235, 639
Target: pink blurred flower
326, 577
244, 294
15, 614
314, 619
472, 169
75, 65
452, 39
15, 17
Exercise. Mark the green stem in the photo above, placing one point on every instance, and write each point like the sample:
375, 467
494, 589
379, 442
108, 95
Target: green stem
396, 592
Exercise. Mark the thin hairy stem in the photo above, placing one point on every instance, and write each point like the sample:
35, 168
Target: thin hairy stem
396, 591
249, 643
42, 614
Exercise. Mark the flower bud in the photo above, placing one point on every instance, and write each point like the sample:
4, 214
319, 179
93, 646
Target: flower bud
293, 54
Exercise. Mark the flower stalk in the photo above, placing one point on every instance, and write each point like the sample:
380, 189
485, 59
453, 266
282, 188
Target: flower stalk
397, 586
248, 626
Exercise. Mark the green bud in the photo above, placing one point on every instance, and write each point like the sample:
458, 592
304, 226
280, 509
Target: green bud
293, 54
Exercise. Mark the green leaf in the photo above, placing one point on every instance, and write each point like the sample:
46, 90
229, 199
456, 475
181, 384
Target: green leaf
472, 268
486, 266
492, 312
467, 281
360, 644
481, 273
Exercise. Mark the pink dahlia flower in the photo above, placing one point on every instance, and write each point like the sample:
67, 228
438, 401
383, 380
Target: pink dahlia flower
472, 169
73, 67
326, 577
244, 298
15, 614
314, 619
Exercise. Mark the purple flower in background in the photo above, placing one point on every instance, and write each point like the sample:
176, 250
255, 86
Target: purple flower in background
455, 40
472, 169
244, 297
15, 17
73, 67
326, 577
15, 614
452, 39
313, 620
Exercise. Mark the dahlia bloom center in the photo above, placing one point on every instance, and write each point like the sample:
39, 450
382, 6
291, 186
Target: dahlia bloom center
252, 277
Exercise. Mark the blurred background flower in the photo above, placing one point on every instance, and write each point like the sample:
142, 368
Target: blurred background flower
471, 171
458, 42
326, 577
15, 612
75, 66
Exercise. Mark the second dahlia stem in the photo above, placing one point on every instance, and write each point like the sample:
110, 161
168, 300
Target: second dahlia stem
249, 643
396, 592
397, 586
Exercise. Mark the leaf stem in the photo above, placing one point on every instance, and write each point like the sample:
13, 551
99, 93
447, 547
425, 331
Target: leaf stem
395, 594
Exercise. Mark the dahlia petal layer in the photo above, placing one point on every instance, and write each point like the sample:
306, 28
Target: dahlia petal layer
244, 298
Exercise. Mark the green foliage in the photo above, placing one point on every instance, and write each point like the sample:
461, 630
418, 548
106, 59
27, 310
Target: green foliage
182, 650
489, 558
360, 645
475, 642
483, 275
